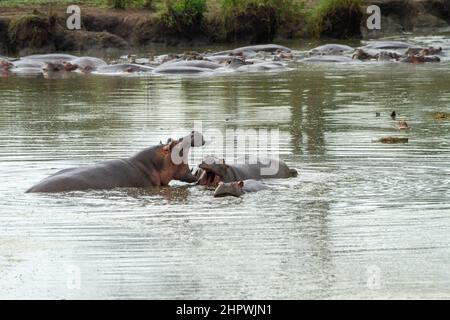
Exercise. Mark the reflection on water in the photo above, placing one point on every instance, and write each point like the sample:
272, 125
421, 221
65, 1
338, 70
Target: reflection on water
361, 220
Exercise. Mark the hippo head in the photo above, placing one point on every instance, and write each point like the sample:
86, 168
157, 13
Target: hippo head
5, 64
70, 66
236, 62
172, 159
229, 189
212, 171
51, 66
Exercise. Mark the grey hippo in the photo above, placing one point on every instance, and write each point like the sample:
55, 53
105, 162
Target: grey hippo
238, 188
84, 64
386, 45
122, 68
213, 170
154, 166
328, 59
51, 58
330, 49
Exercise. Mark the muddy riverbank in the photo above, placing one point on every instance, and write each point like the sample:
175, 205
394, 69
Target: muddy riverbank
42, 28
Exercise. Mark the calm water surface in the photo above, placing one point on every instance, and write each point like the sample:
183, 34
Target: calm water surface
362, 220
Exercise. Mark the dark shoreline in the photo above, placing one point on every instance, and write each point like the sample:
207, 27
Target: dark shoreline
41, 29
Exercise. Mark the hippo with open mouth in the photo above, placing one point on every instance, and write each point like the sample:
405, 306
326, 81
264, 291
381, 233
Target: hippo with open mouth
154, 166
213, 170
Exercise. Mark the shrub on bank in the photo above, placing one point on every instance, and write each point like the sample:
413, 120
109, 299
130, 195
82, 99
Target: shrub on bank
32, 31
257, 20
184, 16
335, 18
125, 4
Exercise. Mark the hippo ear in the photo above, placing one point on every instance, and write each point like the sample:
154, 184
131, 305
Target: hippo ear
170, 144
241, 184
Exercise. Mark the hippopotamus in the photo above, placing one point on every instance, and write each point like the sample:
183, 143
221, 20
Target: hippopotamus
330, 49
27, 71
424, 51
190, 63
23, 63
361, 54
384, 45
219, 58
238, 188
236, 63
251, 51
213, 170
122, 68
401, 125
328, 59
388, 55
416, 58
5, 64
84, 64
262, 66
263, 47
51, 58
154, 166
170, 69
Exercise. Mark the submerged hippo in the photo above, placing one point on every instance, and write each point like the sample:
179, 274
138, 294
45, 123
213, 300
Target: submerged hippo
84, 64
401, 125
122, 68
263, 47
5, 64
169, 69
251, 51
154, 166
330, 49
385, 45
328, 59
262, 66
51, 58
361, 54
190, 63
238, 188
417, 58
424, 51
212, 170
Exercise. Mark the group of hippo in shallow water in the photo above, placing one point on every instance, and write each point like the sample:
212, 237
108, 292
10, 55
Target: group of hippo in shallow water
160, 164
252, 58
268, 57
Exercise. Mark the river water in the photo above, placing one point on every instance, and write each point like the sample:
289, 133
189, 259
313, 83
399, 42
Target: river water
362, 219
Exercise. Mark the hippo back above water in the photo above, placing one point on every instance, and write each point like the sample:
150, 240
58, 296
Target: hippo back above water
154, 166
213, 170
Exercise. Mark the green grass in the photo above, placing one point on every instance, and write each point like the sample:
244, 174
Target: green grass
97, 3
317, 15
261, 16
184, 16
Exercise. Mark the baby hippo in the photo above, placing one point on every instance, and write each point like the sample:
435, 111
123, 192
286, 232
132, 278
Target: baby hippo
238, 188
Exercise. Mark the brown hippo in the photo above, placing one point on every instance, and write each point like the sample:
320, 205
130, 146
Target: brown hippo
213, 170
238, 188
361, 54
154, 166
5, 64
84, 64
423, 51
401, 125
417, 58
